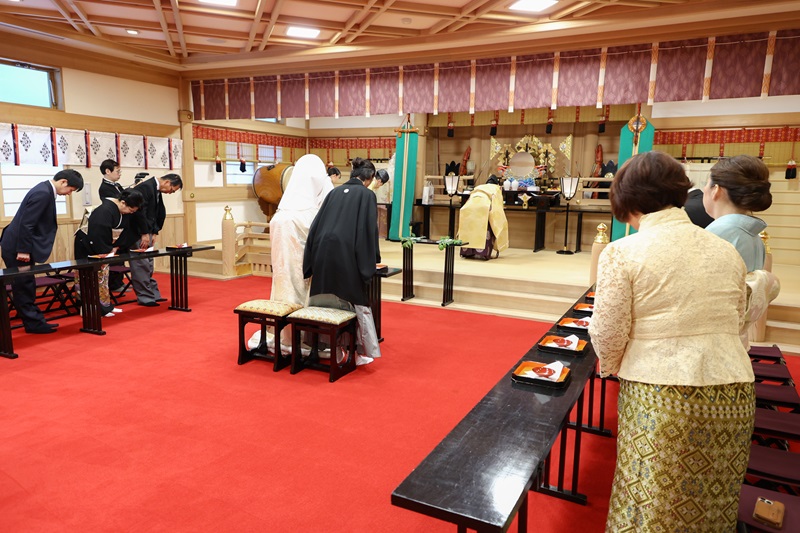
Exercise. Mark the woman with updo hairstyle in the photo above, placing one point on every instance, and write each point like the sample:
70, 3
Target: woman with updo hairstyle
737, 188
669, 303
107, 230
342, 251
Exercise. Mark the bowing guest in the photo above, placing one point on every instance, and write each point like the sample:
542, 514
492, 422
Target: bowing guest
110, 186
29, 239
738, 187
98, 238
288, 231
669, 303
342, 251
149, 220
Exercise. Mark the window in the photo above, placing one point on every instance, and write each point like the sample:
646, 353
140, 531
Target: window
28, 84
17, 181
233, 172
269, 154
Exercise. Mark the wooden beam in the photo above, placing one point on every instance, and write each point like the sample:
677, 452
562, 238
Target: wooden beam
354, 19
164, 27
176, 13
67, 15
84, 18
273, 19
260, 5
369, 20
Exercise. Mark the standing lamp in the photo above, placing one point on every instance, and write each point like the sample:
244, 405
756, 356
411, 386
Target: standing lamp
569, 186
451, 186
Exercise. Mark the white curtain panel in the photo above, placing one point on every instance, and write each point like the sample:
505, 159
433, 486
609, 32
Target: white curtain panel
157, 152
6, 144
35, 145
102, 146
177, 155
70, 147
131, 151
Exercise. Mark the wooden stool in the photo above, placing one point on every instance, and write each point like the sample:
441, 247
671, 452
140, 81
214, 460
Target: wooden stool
267, 313
323, 321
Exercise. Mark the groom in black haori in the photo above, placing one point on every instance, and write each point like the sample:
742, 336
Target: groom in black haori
342, 251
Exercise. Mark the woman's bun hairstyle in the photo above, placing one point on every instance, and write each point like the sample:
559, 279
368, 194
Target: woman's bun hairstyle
746, 179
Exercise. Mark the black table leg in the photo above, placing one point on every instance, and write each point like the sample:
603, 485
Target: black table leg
90, 301
579, 232
6, 343
408, 273
449, 258
179, 290
539, 230
426, 221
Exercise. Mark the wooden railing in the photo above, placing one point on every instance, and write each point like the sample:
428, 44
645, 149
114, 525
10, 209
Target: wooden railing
238, 240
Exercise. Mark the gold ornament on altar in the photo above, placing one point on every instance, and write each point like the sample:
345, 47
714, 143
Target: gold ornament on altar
525, 199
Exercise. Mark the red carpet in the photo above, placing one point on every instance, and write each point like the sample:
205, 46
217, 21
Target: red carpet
154, 427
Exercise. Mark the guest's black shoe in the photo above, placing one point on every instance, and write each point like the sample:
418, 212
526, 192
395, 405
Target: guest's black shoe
52, 324
161, 299
40, 329
149, 304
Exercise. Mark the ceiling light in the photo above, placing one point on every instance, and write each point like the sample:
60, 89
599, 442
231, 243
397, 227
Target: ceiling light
226, 3
132, 32
305, 33
533, 6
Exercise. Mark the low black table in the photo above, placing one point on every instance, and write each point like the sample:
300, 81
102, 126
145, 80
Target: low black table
87, 274
479, 475
449, 270
375, 296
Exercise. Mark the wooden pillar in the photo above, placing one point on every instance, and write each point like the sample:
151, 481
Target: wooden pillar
228, 244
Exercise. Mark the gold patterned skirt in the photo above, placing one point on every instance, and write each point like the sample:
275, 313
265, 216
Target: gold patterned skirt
682, 453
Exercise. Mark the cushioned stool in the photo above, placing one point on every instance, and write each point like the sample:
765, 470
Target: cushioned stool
323, 321
267, 313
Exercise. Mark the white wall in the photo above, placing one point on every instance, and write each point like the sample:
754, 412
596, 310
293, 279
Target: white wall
375, 121
727, 107
86, 93
210, 214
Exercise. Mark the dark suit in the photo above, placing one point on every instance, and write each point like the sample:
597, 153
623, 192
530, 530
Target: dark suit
110, 189
32, 231
149, 220
694, 208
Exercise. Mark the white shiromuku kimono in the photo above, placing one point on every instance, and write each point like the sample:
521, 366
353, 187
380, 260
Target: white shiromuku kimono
288, 231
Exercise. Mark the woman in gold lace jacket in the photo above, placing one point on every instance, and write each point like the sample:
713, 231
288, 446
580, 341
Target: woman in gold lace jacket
670, 300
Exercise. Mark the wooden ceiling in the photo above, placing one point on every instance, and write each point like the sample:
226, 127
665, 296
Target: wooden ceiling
200, 40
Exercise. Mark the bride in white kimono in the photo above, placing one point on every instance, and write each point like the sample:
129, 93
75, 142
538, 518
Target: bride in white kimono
288, 231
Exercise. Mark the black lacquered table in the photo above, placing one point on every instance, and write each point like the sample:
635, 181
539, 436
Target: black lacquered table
479, 475
90, 301
375, 295
449, 270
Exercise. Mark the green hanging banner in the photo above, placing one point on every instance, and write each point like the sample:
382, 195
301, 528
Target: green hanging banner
405, 180
635, 137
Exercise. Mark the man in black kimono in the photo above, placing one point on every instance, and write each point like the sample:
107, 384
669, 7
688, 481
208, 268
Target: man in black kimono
342, 250
29, 239
150, 219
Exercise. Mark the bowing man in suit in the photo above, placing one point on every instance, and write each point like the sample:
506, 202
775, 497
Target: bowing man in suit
150, 219
29, 239
110, 187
